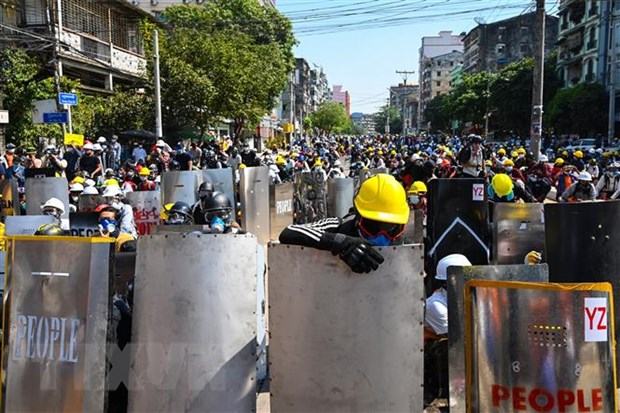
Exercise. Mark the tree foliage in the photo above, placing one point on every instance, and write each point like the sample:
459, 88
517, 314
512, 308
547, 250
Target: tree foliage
381, 117
437, 114
581, 109
331, 117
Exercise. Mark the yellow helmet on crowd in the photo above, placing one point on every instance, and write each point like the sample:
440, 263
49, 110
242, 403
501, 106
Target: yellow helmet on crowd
111, 182
578, 154
509, 162
501, 152
514, 154
559, 161
418, 186
78, 180
280, 160
521, 151
318, 162
145, 172
502, 184
164, 211
382, 198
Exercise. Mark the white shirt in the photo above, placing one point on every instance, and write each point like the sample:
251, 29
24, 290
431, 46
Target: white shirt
437, 311
139, 154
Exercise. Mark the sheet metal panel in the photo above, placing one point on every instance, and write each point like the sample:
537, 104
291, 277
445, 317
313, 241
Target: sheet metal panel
343, 342
364, 174
340, 192
58, 314
222, 180
25, 224
540, 347
88, 203
194, 324
457, 277
517, 230
457, 221
9, 198
414, 229
280, 208
84, 224
310, 202
179, 186
39, 190
254, 193
146, 209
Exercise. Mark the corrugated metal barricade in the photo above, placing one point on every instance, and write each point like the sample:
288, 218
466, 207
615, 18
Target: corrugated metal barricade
56, 316
457, 220
254, 194
310, 199
280, 208
146, 209
344, 342
194, 324
517, 230
457, 277
9, 198
540, 347
340, 192
39, 190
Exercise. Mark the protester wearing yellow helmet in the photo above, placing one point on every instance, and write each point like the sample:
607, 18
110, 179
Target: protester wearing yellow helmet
416, 195
381, 212
503, 189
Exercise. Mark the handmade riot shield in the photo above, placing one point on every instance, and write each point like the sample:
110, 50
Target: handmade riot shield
9, 199
179, 186
309, 197
222, 180
146, 209
340, 192
39, 190
367, 173
540, 347
25, 224
517, 230
56, 317
84, 224
457, 277
280, 208
457, 220
88, 203
414, 229
254, 193
341, 341
194, 324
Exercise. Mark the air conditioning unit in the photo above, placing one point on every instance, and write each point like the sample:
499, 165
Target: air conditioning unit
154, 2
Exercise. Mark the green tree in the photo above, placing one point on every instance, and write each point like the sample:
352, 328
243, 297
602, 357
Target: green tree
581, 109
330, 117
437, 112
396, 122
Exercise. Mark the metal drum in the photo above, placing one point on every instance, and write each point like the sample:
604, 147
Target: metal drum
194, 325
340, 192
517, 230
57, 324
254, 193
343, 342
457, 277
179, 186
280, 208
540, 347
146, 209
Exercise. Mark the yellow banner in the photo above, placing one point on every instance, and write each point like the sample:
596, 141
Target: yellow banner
74, 139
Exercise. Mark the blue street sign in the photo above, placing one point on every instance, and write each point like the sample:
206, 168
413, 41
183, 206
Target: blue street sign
58, 117
68, 99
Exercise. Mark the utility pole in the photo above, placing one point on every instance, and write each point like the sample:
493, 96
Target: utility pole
56, 29
159, 133
611, 129
405, 74
539, 72
387, 121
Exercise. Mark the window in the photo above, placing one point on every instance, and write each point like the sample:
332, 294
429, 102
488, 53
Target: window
500, 48
438, 74
523, 48
452, 64
501, 32
438, 84
525, 30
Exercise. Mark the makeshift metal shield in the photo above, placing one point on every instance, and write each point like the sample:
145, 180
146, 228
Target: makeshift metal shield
26, 224
368, 173
517, 230
179, 186
280, 208
194, 325
540, 347
146, 209
340, 192
57, 315
39, 190
457, 220
222, 181
310, 198
84, 224
414, 229
457, 278
9, 198
88, 203
341, 341
254, 193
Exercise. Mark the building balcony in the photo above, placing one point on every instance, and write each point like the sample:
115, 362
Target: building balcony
590, 78
592, 44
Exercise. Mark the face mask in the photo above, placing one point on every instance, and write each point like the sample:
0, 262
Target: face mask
533, 178
75, 198
175, 219
414, 199
379, 240
117, 205
143, 178
488, 169
509, 169
11, 150
108, 225
52, 212
217, 225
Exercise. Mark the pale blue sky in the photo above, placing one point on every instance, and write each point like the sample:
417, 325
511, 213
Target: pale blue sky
361, 43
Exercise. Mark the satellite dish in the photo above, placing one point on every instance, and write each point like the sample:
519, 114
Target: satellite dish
480, 20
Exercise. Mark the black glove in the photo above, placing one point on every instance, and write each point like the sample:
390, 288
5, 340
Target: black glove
356, 253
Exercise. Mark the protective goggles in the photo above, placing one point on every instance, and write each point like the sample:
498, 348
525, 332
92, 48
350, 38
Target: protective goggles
222, 214
373, 229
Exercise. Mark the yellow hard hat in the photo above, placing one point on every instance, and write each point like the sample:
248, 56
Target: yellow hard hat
164, 211
564, 153
392, 152
111, 182
502, 184
381, 198
380, 153
521, 151
488, 163
501, 152
280, 160
318, 162
419, 186
78, 180
509, 162
559, 161
514, 154
242, 166
448, 152
145, 172
578, 154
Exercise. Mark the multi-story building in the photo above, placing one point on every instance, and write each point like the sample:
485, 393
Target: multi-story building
100, 42
437, 77
342, 97
490, 47
433, 46
368, 123
456, 75
295, 100
156, 7
319, 88
405, 99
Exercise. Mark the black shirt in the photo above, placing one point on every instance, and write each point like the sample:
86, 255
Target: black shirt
89, 163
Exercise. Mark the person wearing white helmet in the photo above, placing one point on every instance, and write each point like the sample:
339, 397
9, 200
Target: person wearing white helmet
75, 190
436, 331
582, 190
90, 163
113, 196
53, 207
336, 170
608, 187
90, 190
